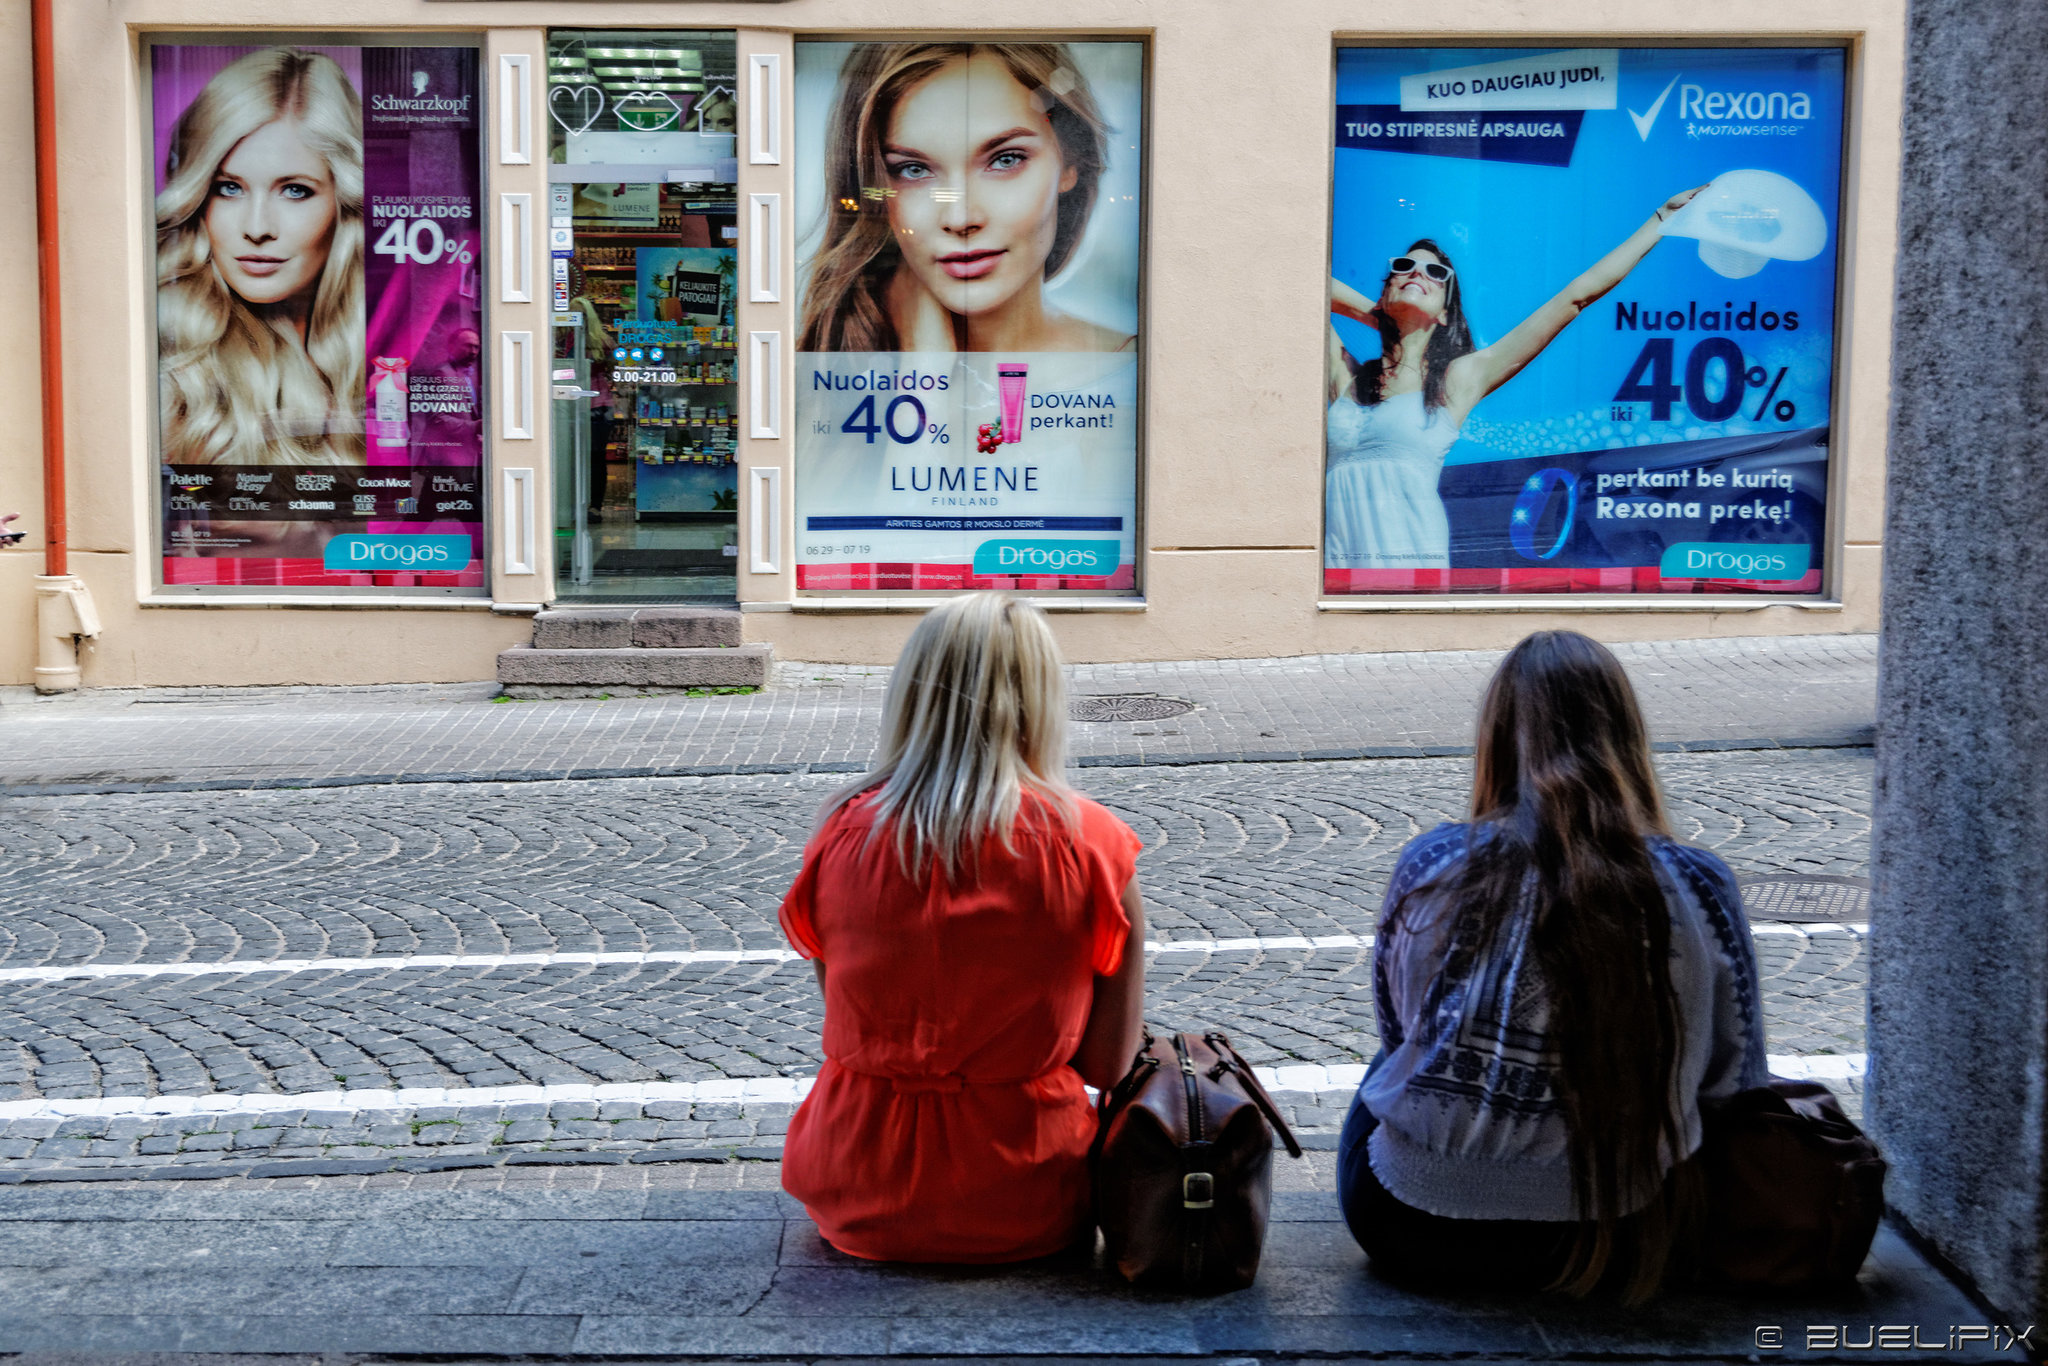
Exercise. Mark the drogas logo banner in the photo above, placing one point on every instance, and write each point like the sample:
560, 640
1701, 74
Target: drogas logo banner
417, 554
1081, 558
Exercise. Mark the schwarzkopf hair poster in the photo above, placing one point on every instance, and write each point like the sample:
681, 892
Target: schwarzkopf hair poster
1582, 311
319, 325
967, 354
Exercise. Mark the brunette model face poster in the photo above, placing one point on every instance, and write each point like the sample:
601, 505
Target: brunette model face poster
967, 355
1582, 320
318, 321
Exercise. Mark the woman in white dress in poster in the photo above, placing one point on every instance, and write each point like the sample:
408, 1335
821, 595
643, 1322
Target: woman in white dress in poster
1394, 418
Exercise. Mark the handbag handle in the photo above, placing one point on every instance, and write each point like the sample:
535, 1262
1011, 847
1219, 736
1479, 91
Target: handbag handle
1234, 1062
1120, 1095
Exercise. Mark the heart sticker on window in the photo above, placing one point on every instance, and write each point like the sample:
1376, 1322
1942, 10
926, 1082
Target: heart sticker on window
579, 98
641, 111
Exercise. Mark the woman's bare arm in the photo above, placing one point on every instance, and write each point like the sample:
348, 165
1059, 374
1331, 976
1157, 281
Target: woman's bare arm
1340, 371
1341, 368
1117, 1017
1473, 377
1350, 303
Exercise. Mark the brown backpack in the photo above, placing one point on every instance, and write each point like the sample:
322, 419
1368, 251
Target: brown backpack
1795, 1189
1183, 1166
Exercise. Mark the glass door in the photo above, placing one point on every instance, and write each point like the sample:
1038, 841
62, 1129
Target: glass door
644, 237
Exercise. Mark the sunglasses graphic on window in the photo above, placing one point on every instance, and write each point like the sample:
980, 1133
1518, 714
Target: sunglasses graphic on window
1408, 265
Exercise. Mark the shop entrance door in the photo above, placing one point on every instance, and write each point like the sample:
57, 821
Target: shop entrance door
644, 238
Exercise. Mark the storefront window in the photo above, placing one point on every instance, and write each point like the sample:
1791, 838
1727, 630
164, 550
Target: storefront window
1582, 313
967, 367
318, 321
644, 232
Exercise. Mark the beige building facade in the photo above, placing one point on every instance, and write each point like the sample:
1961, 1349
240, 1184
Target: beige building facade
1228, 526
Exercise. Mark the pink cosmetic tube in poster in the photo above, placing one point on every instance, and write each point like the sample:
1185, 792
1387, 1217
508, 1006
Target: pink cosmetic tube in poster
1010, 379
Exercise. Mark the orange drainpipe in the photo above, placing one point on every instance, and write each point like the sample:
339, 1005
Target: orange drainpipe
55, 538
64, 608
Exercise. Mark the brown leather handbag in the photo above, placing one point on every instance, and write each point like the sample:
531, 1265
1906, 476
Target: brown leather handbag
1794, 1189
1183, 1166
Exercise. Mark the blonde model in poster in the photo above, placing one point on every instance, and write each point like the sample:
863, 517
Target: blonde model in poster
259, 269
1394, 418
959, 178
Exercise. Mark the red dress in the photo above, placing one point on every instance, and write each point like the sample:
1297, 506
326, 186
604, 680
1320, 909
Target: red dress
946, 1125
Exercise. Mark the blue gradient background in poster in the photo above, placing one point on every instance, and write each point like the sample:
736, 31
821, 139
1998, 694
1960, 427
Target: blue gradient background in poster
1518, 233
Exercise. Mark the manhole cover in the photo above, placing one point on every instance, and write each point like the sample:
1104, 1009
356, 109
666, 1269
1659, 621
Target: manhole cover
1127, 707
1811, 897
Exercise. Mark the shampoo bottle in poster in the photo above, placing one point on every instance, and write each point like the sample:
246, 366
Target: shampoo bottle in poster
1010, 383
387, 394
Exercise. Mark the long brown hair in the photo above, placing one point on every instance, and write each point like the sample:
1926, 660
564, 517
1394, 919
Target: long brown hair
1452, 338
843, 299
1563, 801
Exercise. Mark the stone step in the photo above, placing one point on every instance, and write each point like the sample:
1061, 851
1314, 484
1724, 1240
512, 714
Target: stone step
646, 628
531, 671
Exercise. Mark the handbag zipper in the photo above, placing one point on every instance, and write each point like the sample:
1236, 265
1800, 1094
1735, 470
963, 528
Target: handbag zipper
1197, 1189
1187, 1076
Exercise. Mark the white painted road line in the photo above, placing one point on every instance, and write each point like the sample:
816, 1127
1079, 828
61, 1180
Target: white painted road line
392, 962
758, 1090
388, 962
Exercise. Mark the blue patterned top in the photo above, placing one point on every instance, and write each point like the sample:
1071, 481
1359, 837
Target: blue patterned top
1464, 1086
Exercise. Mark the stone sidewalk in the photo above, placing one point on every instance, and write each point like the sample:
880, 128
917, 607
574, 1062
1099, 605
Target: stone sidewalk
716, 1264
1796, 691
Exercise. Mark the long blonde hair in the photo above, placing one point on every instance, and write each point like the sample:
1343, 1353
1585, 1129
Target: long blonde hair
237, 386
843, 301
976, 717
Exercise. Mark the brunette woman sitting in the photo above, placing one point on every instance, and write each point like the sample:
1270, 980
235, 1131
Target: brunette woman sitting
976, 929
1560, 985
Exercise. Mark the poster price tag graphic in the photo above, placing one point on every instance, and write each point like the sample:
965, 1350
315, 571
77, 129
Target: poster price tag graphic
883, 460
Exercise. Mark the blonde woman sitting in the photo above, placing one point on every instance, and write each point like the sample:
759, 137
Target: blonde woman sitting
976, 929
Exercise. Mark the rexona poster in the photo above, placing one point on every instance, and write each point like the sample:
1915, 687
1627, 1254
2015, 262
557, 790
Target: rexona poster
1582, 310
318, 321
967, 367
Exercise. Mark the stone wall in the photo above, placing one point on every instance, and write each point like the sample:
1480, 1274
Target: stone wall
1959, 974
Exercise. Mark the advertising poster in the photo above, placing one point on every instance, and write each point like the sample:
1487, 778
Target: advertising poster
1582, 318
686, 284
967, 367
319, 323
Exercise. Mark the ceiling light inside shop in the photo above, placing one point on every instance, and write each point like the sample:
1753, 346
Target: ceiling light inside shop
689, 61
659, 73
568, 63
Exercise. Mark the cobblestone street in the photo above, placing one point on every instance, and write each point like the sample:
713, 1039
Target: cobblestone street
474, 972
